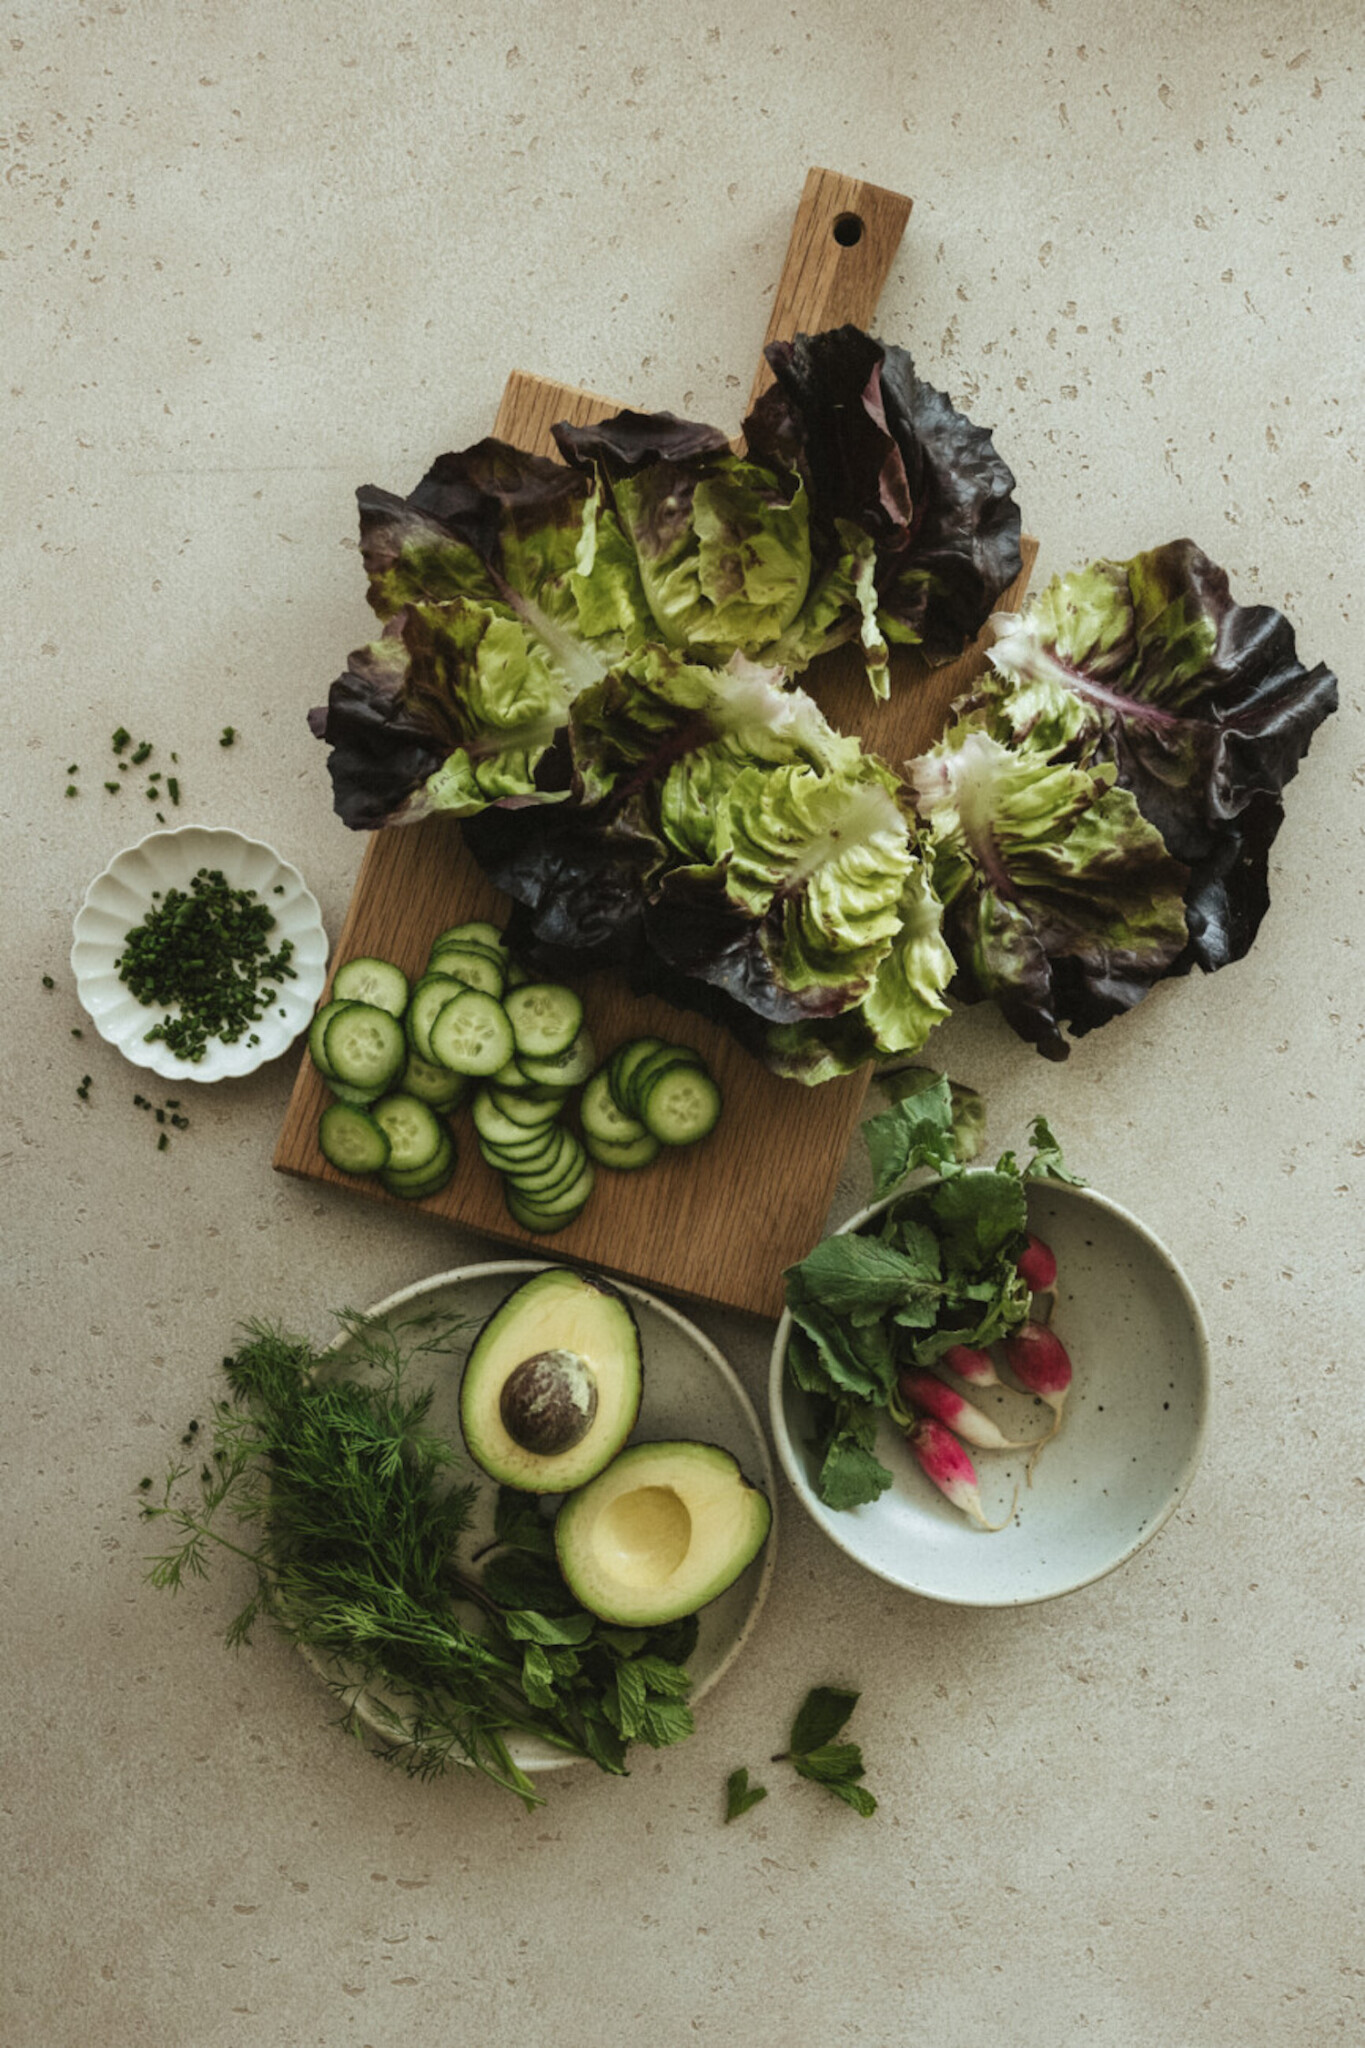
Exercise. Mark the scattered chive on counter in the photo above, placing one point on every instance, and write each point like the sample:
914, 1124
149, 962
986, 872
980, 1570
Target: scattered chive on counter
206, 950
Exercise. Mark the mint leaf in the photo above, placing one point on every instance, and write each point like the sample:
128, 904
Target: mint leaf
814, 1753
832, 1763
525, 1627
856, 1796
664, 1722
823, 1713
537, 1676
740, 1795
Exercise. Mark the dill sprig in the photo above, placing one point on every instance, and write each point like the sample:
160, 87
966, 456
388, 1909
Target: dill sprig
339, 1496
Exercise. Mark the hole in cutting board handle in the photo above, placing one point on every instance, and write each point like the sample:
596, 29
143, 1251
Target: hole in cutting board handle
848, 230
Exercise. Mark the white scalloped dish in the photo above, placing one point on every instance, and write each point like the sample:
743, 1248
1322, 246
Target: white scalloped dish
121, 897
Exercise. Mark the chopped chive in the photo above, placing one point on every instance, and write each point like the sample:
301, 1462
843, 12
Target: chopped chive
48, 982
162, 1142
113, 787
76, 1032
120, 739
227, 736
173, 789
140, 752
71, 789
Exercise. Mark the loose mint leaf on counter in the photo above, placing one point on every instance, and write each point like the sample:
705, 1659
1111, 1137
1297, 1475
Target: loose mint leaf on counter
823, 1713
740, 1795
815, 1754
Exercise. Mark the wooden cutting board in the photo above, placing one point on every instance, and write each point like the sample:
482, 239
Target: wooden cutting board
719, 1223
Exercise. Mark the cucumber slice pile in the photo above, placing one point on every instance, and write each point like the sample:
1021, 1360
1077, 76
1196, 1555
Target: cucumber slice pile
401, 1057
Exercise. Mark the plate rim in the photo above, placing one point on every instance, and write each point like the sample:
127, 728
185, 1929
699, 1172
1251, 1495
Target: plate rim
490, 1269
800, 1484
155, 1059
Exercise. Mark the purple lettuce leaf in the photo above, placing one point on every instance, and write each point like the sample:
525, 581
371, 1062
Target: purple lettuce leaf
883, 451
1201, 704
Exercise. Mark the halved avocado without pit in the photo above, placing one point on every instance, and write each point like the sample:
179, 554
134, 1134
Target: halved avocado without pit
551, 1387
662, 1531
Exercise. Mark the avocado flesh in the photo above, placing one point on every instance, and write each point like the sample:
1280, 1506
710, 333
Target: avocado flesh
555, 1311
662, 1531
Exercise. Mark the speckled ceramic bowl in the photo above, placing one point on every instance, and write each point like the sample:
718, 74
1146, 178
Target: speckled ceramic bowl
1119, 1466
121, 897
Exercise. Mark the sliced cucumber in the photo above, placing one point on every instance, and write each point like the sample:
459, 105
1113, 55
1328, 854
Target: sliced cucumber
622, 1065
643, 1076
473, 965
351, 1139
359, 1098
600, 1117
317, 1032
364, 1046
436, 1086
545, 1019
368, 980
471, 1034
625, 1158
526, 1110
499, 1129
680, 1105
565, 1070
479, 933
432, 992
415, 1133
417, 1182
544, 1222
562, 1166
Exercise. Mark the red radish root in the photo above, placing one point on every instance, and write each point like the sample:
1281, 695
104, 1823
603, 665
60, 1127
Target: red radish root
942, 1459
1038, 1359
1037, 1265
925, 1395
971, 1364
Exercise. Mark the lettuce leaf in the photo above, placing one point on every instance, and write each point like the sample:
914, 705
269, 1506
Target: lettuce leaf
1201, 705
1060, 901
885, 455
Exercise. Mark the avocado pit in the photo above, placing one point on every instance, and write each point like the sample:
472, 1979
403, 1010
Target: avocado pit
549, 1402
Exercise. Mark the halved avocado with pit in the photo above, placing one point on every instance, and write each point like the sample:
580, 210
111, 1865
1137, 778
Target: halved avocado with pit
662, 1531
551, 1388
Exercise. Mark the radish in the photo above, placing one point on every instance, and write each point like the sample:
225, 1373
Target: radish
970, 1363
1037, 1358
942, 1459
926, 1395
1037, 1265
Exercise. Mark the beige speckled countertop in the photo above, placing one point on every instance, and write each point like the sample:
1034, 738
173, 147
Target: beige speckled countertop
255, 254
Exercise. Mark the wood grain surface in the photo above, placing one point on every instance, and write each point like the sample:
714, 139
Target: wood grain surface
719, 1223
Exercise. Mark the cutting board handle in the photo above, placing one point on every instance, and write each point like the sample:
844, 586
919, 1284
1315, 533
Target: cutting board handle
843, 242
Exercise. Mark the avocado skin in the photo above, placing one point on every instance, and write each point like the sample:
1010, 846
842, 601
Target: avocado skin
558, 1308
727, 1517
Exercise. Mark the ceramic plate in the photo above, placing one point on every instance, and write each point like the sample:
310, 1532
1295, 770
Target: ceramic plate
1125, 1454
121, 897
689, 1391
